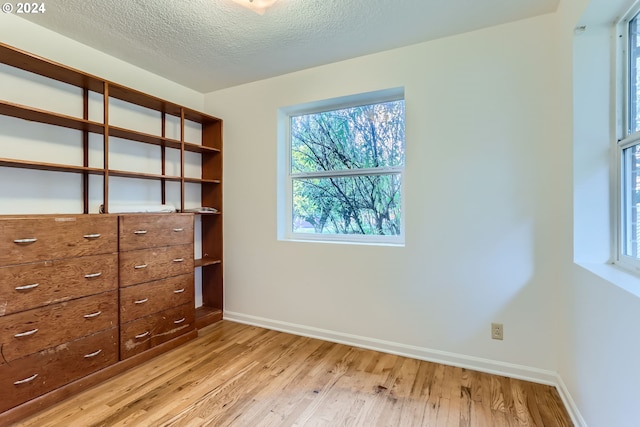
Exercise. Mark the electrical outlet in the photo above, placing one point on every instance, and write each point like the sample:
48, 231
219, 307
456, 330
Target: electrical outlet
496, 331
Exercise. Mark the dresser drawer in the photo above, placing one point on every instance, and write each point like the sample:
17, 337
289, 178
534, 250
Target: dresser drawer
147, 332
34, 330
148, 231
156, 263
38, 373
148, 298
43, 238
27, 286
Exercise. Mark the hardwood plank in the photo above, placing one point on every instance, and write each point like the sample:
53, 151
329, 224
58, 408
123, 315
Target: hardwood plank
210, 407
551, 408
403, 410
465, 399
295, 390
520, 409
239, 375
220, 397
532, 405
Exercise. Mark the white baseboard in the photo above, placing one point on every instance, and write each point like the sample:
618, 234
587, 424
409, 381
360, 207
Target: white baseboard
511, 370
463, 361
569, 403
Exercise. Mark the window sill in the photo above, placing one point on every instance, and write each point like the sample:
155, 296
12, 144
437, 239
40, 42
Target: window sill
616, 275
343, 242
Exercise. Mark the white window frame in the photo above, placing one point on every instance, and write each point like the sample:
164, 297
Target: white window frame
286, 178
623, 138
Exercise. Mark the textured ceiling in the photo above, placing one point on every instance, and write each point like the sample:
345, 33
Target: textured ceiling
213, 44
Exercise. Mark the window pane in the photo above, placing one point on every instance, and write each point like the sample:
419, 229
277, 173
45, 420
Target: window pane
367, 205
367, 136
634, 83
631, 200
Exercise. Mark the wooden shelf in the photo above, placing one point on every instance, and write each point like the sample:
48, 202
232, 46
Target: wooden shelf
208, 213
44, 67
210, 148
142, 99
143, 137
197, 116
138, 175
55, 167
165, 116
203, 262
202, 181
50, 118
197, 148
206, 316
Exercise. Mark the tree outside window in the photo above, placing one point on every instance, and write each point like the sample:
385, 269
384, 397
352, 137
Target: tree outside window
346, 168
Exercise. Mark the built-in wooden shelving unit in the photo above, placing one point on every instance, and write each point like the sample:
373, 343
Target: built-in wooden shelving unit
209, 148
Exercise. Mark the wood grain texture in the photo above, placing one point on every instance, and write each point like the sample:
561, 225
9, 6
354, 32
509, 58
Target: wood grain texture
35, 330
143, 231
156, 263
239, 375
39, 238
148, 298
28, 286
147, 332
38, 373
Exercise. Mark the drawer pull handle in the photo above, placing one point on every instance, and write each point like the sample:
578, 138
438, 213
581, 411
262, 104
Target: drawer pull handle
178, 291
92, 315
141, 301
178, 230
138, 267
142, 335
178, 259
26, 287
31, 240
94, 354
177, 322
26, 380
140, 232
92, 275
26, 334
92, 236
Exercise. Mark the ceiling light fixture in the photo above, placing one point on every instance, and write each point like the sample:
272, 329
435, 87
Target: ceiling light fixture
258, 6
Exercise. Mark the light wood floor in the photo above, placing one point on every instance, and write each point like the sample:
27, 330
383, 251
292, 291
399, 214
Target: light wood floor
238, 375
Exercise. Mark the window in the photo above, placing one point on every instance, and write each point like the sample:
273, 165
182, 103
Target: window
629, 146
345, 165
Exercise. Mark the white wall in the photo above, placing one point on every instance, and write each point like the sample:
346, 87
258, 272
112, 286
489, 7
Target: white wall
599, 334
507, 202
481, 181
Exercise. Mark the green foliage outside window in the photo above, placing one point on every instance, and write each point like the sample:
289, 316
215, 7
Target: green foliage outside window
346, 167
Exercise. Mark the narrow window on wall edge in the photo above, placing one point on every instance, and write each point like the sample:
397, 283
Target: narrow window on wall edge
628, 146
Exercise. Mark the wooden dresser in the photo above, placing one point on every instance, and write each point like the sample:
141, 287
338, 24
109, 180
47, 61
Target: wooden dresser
58, 302
156, 280
85, 297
